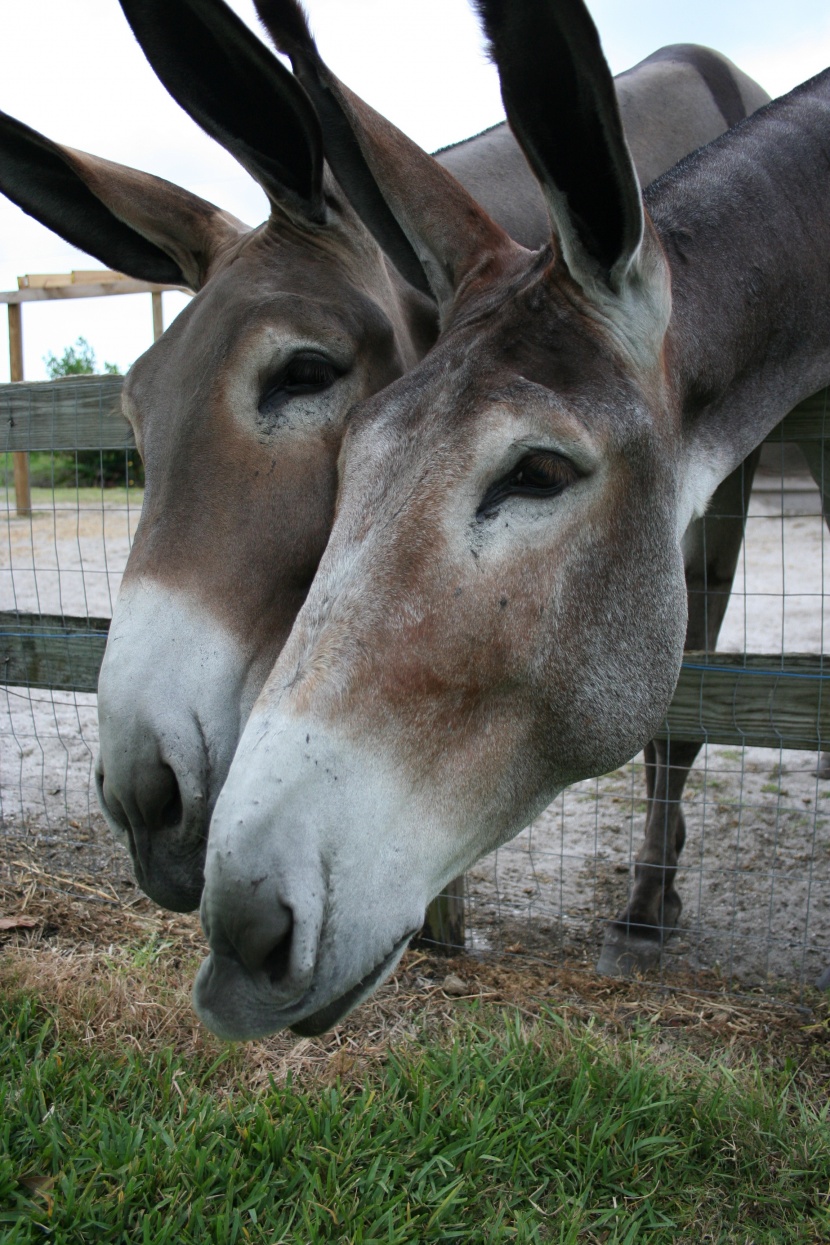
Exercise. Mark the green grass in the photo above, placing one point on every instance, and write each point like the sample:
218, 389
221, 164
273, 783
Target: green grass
44, 500
69, 469
498, 1133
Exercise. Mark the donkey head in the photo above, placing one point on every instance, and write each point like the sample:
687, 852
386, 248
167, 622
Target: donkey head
501, 607
237, 411
473, 641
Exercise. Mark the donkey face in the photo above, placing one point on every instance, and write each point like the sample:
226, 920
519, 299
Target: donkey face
485, 500
266, 360
501, 606
483, 503
238, 414
473, 643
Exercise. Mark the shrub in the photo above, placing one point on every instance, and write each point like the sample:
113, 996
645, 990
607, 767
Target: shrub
86, 468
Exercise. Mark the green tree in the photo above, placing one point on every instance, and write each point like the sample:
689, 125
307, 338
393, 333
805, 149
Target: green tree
77, 360
101, 468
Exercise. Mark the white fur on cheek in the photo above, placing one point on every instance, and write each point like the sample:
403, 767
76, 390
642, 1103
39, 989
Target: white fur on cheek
173, 685
309, 823
700, 477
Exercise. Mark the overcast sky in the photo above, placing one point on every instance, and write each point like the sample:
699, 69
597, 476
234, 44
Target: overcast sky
74, 72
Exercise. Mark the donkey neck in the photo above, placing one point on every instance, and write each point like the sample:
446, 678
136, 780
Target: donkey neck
746, 229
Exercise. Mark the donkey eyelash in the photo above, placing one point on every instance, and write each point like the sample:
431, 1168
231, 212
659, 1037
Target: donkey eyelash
304, 373
540, 474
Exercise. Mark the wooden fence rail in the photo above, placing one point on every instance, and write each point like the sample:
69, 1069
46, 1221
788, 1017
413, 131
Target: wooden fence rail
75, 413
47, 650
39, 287
780, 701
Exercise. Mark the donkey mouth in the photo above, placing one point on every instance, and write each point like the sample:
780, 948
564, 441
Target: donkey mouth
234, 1007
328, 1016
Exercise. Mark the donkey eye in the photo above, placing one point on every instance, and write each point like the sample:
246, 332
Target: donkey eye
304, 373
540, 473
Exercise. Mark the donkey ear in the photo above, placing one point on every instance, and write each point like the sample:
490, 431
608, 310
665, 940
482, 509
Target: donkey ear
419, 215
232, 86
131, 221
559, 98
287, 24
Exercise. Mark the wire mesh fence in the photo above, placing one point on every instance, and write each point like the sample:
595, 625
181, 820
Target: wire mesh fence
60, 567
755, 871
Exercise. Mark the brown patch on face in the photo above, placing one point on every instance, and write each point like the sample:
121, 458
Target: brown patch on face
496, 661
238, 510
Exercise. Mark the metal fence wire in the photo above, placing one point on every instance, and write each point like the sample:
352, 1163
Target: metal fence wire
755, 872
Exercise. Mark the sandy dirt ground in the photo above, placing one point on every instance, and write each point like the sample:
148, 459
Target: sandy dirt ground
755, 871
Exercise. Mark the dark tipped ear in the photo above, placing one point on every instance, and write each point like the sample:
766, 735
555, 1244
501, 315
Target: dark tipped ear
421, 217
287, 25
128, 220
559, 97
238, 92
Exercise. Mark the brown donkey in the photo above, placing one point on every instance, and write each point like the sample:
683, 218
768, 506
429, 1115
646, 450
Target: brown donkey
239, 410
501, 607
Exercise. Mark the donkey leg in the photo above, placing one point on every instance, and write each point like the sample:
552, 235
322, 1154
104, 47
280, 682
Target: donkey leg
633, 940
817, 454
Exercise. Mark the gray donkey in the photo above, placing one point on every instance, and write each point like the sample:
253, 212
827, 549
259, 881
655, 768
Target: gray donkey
501, 607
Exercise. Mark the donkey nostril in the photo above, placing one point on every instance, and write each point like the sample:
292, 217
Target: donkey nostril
109, 802
276, 963
259, 937
173, 809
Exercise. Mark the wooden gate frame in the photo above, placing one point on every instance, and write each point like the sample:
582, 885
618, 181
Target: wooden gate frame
38, 287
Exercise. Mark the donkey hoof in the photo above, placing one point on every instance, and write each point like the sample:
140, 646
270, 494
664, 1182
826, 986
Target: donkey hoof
625, 953
823, 981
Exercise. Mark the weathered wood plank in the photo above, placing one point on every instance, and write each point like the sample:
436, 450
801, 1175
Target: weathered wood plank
76, 413
761, 700
98, 289
22, 491
757, 700
47, 650
158, 317
68, 414
78, 276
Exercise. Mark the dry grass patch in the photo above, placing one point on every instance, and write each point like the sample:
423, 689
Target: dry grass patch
118, 973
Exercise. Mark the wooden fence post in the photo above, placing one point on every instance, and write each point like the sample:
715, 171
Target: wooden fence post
817, 454
22, 493
443, 929
158, 316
